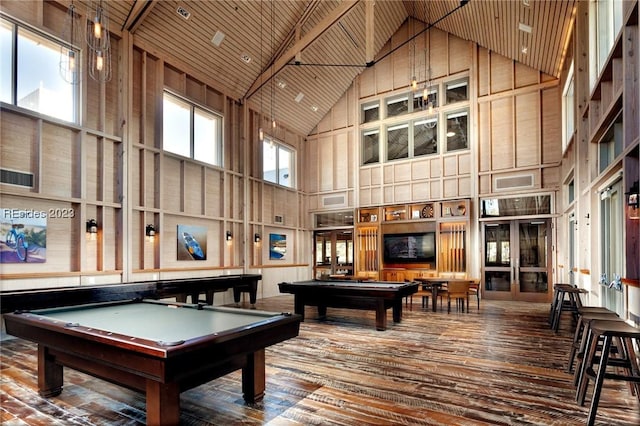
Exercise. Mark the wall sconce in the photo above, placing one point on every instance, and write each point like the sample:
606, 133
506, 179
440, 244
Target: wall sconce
229, 237
633, 202
92, 229
256, 238
150, 232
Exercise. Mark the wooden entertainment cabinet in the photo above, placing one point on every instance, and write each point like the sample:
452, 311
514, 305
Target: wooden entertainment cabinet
447, 220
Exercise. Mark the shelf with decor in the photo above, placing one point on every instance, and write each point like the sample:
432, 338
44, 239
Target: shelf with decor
456, 209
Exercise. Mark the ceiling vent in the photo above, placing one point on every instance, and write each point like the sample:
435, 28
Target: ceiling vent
299, 97
183, 12
525, 28
278, 219
245, 58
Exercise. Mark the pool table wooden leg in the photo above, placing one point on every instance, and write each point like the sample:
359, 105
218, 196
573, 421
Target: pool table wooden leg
50, 374
253, 377
298, 305
381, 315
397, 311
163, 403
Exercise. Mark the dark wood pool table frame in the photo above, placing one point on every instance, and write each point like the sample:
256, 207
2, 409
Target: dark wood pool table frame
160, 371
368, 295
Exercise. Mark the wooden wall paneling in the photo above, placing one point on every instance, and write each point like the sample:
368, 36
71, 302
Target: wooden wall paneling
527, 142
171, 184
341, 161
215, 99
401, 193
324, 125
139, 251
484, 185
387, 173
137, 180
340, 113
364, 178
153, 77
420, 169
326, 159
136, 122
389, 195
111, 108
435, 166
268, 203
20, 143
376, 196
450, 187
91, 168
483, 72
238, 196
420, 190
464, 163
401, 59
525, 76
294, 213
60, 164
376, 176
464, 186
402, 172
195, 90
384, 75
502, 155
174, 79
212, 187
435, 189
193, 188
551, 125
450, 165
501, 71
366, 83
631, 95
460, 54
108, 257
439, 59
550, 178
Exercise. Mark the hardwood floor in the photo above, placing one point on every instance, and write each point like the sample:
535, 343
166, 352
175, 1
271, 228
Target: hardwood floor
500, 365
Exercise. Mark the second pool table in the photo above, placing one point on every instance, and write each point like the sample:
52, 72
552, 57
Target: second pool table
374, 295
158, 348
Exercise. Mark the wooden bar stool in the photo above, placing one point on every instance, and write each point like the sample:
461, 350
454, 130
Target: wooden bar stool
609, 331
556, 299
580, 336
571, 304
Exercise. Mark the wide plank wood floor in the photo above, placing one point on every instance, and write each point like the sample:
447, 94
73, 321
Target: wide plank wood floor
500, 365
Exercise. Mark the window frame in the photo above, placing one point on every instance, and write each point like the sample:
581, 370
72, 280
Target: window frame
19, 31
454, 114
568, 110
279, 146
193, 108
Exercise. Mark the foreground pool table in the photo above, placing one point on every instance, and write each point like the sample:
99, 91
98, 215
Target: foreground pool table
155, 347
374, 295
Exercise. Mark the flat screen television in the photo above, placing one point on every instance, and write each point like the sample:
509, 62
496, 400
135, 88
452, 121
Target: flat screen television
410, 248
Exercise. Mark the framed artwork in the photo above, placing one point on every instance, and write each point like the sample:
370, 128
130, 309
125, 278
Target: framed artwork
23, 235
192, 242
277, 246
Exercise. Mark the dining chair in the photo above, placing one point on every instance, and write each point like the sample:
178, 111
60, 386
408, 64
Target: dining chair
424, 292
458, 290
474, 289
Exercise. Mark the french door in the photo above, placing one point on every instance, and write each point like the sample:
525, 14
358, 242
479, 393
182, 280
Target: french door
333, 253
516, 260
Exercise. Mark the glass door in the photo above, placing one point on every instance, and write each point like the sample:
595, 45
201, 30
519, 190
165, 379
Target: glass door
333, 253
516, 260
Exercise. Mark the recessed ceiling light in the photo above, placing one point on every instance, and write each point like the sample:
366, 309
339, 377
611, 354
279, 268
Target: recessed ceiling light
245, 58
525, 2
314, 108
217, 38
282, 84
524, 50
299, 97
183, 12
524, 27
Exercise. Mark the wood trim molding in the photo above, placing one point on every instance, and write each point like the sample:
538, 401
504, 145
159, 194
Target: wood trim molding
630, 282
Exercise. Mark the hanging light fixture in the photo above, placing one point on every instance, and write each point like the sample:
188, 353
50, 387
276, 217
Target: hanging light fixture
414, 80
260, 129
427, 94
69, 58
273, 92
98, 41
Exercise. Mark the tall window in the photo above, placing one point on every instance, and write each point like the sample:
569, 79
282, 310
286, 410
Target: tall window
568, 111
278, 163
605, 21
398, 142
30, 76
371, 146
457, 130
191, 131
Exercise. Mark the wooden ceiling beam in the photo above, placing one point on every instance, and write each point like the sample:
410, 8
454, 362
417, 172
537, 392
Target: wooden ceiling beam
139, 10
326, 23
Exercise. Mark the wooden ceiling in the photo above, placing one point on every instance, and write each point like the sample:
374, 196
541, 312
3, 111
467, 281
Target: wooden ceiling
315, 48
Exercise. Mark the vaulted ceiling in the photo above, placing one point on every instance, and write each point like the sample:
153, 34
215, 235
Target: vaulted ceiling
294, 59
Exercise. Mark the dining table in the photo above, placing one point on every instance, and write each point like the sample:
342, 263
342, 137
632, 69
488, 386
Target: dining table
436, 284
